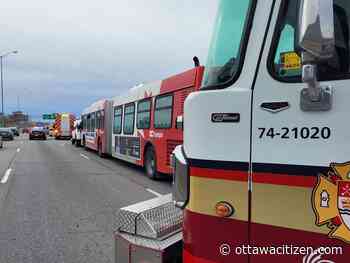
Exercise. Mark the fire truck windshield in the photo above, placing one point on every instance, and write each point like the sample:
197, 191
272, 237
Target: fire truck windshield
227, 42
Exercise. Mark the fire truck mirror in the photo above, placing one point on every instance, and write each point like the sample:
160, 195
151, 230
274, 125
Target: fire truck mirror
180, 178
316, 38
179, 122
316, 29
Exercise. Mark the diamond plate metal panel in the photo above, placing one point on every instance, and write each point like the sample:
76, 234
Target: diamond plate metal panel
157, 218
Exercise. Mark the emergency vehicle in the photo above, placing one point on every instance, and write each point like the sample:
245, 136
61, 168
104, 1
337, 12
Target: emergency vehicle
148, 120
76, 133
265, 159
96, 122
63, 125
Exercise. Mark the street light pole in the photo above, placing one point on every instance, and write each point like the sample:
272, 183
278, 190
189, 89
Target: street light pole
2, 89
2, 79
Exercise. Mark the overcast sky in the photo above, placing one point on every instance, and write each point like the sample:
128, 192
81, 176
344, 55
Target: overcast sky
72, 53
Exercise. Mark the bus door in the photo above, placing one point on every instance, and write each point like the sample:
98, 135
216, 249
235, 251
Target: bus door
300, 206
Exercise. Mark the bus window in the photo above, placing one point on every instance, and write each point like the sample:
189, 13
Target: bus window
129, 117
117, 124
88, 122
93, 122
163, 112
102, 119
98, 120
83, 121
143, 114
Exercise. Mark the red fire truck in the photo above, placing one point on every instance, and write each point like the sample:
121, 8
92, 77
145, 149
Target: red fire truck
264, 172
96, 122
148, 121
63, 125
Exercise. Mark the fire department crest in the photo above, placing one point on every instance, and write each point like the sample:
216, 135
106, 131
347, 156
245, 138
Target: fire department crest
331, 201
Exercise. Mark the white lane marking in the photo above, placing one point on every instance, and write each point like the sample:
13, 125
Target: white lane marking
18, 150
6, 176
84, 156
153, 192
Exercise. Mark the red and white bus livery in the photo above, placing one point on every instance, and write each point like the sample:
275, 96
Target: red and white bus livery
147, 122
96, 133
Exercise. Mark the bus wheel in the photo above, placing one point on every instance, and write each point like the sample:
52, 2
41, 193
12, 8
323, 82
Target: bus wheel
151, 163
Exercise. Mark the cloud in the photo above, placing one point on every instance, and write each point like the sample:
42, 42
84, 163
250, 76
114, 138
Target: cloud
72, 53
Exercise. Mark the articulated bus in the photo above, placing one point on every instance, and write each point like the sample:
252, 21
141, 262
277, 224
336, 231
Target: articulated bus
96, 132
148, 121
145, 125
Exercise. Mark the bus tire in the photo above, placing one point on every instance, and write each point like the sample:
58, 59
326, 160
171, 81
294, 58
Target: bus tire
151, 163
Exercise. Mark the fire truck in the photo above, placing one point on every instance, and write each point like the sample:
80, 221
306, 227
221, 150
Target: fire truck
63, 125
263, 174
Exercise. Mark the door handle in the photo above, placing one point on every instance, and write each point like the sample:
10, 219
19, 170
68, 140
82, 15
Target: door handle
275, 107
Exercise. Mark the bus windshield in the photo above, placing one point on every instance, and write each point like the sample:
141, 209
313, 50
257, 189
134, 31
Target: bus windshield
226, 45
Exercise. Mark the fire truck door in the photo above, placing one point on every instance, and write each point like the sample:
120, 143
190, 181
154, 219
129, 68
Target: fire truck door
300, 157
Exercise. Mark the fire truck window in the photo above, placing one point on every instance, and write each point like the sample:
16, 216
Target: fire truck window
129, 117
229, 38
117, 124
285, 62
143, 114
163, 112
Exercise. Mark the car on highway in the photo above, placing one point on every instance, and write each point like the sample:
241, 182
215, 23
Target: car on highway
37, 133
15, 131
6, 134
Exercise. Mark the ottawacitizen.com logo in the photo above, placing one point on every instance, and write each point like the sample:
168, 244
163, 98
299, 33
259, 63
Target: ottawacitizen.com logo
306, 254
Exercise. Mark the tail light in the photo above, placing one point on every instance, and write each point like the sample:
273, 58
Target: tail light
181, 178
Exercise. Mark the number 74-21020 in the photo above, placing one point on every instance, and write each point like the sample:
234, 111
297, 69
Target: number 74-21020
313, 133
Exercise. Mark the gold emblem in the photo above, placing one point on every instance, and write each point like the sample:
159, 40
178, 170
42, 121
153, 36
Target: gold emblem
331, 201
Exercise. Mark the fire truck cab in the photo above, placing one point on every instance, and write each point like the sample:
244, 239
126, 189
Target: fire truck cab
264, 172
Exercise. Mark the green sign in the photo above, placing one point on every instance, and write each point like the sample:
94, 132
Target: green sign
51, 116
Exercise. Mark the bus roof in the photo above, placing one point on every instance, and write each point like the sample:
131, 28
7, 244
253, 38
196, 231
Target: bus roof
96, 106
139, 92
173, 83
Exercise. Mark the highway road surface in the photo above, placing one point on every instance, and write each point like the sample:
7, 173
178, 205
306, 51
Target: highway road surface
58, 203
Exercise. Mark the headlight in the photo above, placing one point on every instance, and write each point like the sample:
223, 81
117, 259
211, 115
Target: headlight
181, 178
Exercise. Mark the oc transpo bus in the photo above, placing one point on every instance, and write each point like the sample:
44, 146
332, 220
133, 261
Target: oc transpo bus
148, 121
143, 126
96, 122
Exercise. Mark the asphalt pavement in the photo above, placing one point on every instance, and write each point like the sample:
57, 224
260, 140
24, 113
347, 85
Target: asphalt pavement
58, 203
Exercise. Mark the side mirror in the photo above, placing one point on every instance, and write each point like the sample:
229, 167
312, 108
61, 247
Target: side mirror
316, 28
179, 122
317, 41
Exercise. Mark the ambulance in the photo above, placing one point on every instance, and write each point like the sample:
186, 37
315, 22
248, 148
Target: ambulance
263, 174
